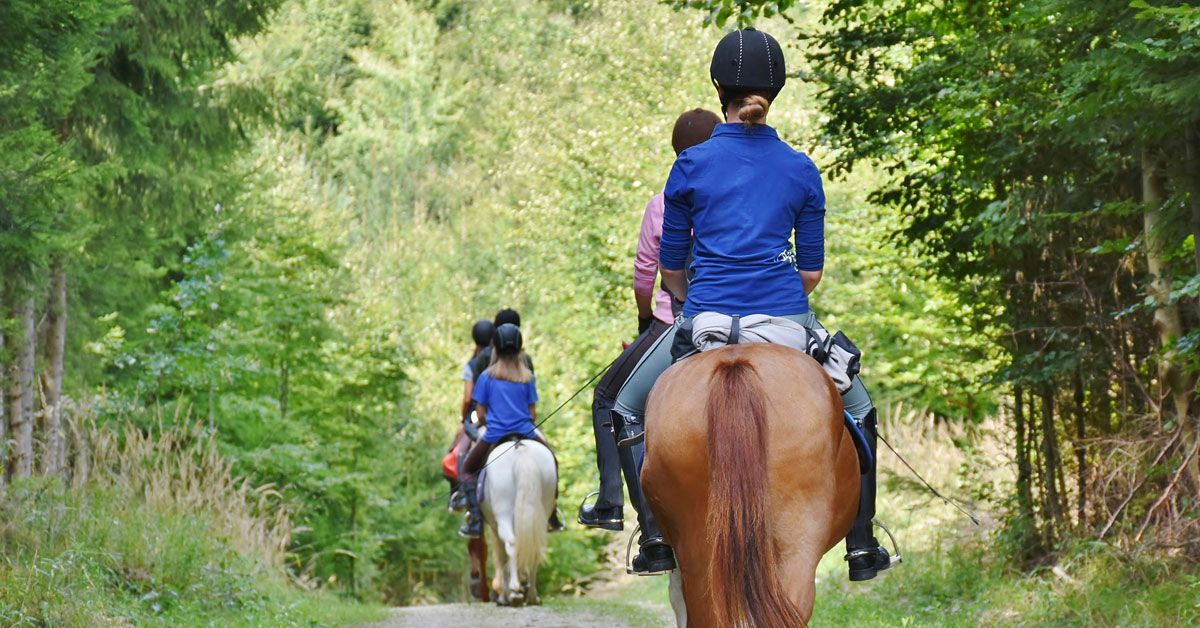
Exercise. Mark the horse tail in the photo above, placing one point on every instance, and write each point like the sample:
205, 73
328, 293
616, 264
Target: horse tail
744, 581
530, 512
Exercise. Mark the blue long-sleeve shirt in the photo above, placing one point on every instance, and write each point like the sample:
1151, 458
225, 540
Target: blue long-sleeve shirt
743, 194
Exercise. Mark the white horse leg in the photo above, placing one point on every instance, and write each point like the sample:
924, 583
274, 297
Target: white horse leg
498, 562
515, 594
677, 602
531, 597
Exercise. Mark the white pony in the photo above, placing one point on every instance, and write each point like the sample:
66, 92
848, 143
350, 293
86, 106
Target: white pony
518, 497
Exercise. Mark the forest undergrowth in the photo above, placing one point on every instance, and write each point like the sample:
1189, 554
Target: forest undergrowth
153, 528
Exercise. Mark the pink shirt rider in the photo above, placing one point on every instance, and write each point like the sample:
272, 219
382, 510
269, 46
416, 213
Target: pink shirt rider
645, 263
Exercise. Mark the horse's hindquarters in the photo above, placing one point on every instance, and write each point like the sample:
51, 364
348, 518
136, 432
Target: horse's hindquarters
519, 491
776, 421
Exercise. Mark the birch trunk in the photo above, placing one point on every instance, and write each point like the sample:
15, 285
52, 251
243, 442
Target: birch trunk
56, 341
1167, 321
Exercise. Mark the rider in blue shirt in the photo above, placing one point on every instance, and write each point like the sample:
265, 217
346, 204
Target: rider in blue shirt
509, 406
751, 209
506, 401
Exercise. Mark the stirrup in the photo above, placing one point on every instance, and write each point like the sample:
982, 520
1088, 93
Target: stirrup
894, 557
629, 551
896, 546
629, 556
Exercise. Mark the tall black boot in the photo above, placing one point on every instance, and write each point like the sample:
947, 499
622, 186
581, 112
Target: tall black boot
865, 556
606, 513
654, 556
473, 528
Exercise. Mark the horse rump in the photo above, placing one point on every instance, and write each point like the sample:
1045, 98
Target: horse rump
744, 579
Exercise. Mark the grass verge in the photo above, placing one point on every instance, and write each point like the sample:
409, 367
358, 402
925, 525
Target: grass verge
158, 532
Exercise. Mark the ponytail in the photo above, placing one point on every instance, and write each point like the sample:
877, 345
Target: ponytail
752, 110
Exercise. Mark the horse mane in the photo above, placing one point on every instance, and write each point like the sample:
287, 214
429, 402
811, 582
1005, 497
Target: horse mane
743, 578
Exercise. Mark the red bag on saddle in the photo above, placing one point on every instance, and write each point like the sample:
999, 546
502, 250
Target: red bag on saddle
450, 460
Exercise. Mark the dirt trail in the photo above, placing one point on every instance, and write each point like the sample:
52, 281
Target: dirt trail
614, 600
481, 615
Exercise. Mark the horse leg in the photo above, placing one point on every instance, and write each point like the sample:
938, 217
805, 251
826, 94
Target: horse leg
678, 604
501, 567
510, 589
477, 548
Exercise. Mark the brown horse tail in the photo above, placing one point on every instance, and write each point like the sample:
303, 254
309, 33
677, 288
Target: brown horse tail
745, 585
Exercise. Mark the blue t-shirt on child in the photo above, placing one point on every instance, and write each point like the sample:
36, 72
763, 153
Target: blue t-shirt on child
507, 406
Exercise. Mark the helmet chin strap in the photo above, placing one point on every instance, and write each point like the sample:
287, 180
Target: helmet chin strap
721, 96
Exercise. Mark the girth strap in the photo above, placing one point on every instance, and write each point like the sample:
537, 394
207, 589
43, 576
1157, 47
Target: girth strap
735, 330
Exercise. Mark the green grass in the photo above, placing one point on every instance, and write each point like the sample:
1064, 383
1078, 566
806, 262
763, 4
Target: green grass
638, 602
970, 584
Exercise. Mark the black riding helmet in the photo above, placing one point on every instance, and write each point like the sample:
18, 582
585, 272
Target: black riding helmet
508, 338
747, 61
482, 333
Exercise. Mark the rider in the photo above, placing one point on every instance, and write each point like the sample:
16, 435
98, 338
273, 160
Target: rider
505, 400
655, 316
735, 201
481, 333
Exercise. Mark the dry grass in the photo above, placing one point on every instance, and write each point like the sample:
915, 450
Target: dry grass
178, 468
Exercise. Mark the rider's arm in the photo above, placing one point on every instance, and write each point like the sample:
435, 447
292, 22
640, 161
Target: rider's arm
533, 412
468, 388
645, 262
811, 278
481, 413
810, 232
676, 229
676, 283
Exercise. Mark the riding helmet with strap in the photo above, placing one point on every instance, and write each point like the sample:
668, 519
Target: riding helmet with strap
508, 338
746, 61
482, 332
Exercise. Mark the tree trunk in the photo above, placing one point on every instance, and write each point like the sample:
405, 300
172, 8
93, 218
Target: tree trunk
1024, 471
4, 371
56, 342
20, 389
1050, 460
1167, 321
1080, 453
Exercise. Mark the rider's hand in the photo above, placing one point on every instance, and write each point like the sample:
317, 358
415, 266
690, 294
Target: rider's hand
644, 323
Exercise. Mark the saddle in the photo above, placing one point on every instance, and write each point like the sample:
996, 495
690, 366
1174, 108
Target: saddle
711, 330
834, 352
483, 472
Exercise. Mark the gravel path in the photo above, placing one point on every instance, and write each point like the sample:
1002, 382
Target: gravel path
484, 615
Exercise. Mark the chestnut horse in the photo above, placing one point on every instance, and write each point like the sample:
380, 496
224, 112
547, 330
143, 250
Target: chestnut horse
753, 477
478, 587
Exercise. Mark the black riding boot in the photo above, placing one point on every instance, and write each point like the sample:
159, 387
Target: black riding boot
863, 552
654, 556
473, 528
606, 513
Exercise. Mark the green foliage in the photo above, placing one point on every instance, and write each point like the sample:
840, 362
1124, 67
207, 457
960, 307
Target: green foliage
968, 586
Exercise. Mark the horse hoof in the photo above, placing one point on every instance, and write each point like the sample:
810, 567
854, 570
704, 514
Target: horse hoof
516, 599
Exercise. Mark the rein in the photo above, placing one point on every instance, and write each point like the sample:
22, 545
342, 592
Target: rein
532, 434
948, 500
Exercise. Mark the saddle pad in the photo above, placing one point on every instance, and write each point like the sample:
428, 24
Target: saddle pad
835, 353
